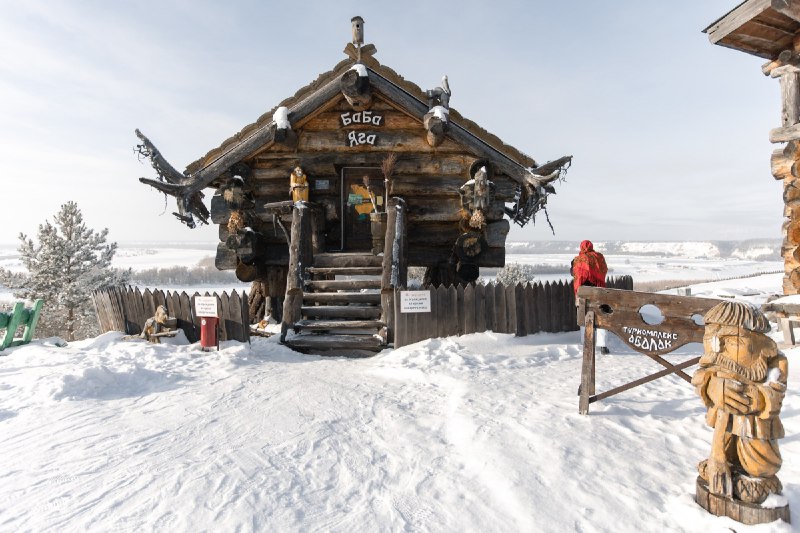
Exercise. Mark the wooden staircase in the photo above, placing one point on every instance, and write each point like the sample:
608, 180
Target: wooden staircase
341, 307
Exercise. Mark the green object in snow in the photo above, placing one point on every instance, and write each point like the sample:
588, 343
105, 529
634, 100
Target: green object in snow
19, 316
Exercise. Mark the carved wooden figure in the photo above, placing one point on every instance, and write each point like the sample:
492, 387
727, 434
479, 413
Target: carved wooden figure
477, 195
160, 325
298, 185
742, 381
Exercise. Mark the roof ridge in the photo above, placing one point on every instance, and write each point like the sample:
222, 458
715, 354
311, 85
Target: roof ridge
390, 75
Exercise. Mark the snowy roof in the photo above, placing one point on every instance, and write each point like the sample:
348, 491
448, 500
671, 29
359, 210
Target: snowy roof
313, 96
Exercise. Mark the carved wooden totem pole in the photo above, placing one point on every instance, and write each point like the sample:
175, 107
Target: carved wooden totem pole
742, 382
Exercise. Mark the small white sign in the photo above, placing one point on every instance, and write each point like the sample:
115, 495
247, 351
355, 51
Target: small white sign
415, 302
205, 306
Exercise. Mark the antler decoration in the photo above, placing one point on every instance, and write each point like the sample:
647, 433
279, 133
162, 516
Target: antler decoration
190, 202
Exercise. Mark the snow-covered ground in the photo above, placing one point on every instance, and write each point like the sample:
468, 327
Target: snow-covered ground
475, 433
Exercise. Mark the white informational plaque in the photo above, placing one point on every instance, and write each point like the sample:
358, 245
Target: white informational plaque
205, 306
415, 302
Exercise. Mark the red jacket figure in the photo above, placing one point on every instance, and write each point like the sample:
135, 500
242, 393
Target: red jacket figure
588, 267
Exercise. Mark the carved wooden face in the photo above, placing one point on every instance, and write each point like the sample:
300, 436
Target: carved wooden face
737, 344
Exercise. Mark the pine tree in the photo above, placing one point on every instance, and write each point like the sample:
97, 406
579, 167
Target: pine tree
68, 263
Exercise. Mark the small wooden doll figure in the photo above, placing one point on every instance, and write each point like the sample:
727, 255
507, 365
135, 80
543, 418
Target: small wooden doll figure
298, 185
742, 381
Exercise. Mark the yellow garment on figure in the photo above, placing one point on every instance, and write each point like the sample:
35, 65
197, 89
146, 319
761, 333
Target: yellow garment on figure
365, 207
299, 186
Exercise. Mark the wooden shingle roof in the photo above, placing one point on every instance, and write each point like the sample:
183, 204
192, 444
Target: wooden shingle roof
325, 88
762, 28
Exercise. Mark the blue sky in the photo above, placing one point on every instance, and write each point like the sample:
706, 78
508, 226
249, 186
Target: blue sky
669, 133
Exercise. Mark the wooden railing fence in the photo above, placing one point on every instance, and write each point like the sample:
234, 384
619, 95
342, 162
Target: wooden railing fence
126, 309
518, 309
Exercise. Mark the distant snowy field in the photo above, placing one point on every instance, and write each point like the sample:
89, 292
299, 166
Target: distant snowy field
476, 433
643, 261
138, 256
142, 256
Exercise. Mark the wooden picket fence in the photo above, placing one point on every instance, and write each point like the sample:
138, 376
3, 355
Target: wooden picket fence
518, 309
127, 308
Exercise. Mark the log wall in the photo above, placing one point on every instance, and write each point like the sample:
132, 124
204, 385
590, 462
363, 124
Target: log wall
784, 166
427, 178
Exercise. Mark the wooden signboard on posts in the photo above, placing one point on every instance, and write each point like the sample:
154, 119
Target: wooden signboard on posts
620, 312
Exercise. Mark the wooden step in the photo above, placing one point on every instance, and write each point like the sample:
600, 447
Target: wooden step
343, 284
316, 325
336, 342
342, 297
347, 271
346, 260
341, 311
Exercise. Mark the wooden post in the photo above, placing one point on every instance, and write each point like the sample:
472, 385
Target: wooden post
587, 369
400, 247
790, 97
469, 309
480, 309
522, 318
393, 263
298, 261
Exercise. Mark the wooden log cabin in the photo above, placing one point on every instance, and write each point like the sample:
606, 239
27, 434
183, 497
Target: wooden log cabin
770, 29
384, 176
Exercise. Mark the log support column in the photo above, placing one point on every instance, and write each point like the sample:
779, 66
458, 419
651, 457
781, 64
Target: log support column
784, 161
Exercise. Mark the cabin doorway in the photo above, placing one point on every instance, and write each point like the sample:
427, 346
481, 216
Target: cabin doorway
362, 193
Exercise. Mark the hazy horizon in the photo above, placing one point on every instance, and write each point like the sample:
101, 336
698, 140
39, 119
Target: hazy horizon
669, 133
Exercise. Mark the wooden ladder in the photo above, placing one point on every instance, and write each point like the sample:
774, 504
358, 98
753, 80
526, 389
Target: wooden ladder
341, 311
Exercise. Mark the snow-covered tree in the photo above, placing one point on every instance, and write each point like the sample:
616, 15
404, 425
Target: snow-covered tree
63, 268
514, 273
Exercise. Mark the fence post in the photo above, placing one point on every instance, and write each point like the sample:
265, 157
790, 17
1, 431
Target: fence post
469, 309
522, 315
490, 308
480, 308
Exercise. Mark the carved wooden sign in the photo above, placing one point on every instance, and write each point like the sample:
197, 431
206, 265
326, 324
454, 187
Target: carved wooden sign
369, 118
651, 340
626, 314
358, 118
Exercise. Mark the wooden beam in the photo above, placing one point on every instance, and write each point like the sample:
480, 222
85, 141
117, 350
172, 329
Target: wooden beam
732, 21
790, 8
356, 89
782, 163
761, 49
782, 135
769, 66
790, 95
